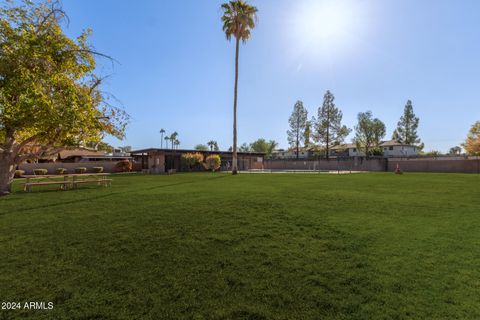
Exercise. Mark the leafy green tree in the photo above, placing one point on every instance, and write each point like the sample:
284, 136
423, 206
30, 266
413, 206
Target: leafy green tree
369, 133
329, 130
49, 92
238, 21
455, 151
262, 145
245, 148
298, 123
201, 147
406, 131
472, 144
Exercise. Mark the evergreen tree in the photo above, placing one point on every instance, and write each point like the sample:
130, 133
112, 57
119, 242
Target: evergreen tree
406, 131
329, 131
298, 123
308, 133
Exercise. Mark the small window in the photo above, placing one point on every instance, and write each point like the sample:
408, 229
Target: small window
354, 149
390, 148
384, 149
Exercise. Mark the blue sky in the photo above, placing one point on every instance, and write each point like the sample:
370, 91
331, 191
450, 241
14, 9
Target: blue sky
176, 68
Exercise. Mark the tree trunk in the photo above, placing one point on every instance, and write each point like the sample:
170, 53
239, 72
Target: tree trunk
7, 171
327, 146
297, 144
234, 156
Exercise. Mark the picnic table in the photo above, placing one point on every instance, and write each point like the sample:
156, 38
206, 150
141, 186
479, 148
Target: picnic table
69, 180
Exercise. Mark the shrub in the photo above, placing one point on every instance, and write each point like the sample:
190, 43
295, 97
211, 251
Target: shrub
213, 162
191, 159
19, 173
40, 172
123, 166
80, 170
61, 170
97, 169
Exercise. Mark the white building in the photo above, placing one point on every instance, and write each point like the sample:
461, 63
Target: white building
394, 148
390, 148
286, 154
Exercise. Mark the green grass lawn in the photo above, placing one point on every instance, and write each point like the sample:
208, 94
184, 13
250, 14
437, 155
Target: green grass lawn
258, 246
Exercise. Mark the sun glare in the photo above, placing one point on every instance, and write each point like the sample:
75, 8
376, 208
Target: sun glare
326, 26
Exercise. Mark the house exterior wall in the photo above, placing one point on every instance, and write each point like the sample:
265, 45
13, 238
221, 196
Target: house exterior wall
156, 162
354, 152
291, 155
400, 151
397, 151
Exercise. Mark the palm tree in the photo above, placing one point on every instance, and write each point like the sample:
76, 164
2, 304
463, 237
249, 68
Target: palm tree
167, 138
162, 131
176, 143
173, 137
212, 144
238, 20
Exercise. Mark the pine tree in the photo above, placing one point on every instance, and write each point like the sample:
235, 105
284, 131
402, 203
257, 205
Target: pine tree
329, 131
298, 123
308, 132
406, 131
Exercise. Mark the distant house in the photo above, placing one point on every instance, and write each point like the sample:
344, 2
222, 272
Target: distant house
394, 148
77, 154
345, 150
290, 154
390, 148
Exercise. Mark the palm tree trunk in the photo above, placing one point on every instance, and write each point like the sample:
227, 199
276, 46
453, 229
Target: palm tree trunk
234, 156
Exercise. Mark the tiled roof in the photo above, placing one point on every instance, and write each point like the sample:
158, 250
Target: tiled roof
344, 146
80, 152
391, 143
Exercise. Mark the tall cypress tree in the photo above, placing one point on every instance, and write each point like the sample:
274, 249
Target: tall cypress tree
406, 131
329, 130
298, 122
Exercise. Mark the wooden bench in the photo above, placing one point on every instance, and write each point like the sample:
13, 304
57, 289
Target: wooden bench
76, 179
28, 186
103, 182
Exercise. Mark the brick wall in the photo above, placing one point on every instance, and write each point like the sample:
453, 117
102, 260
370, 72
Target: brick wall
353, 164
